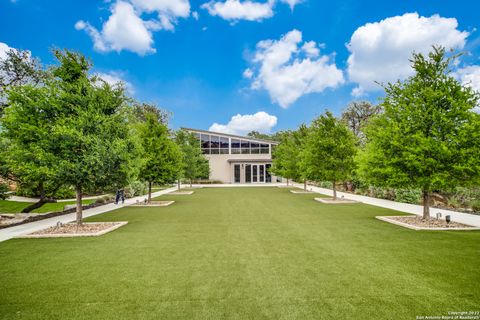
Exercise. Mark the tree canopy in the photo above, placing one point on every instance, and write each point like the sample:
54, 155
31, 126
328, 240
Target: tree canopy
194, 164
428, 135
329, 151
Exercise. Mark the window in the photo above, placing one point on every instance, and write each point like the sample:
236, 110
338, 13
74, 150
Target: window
235, 146
248, 173
264, 148
237, 173
223, 142
268, 177
245, 147
255, 173
254, 148
214, 142
262, 173
205, 138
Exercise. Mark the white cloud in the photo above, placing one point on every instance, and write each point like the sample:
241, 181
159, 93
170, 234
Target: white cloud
195, 15
4, 48
248, 73
240, 10
381, 51
470, 76
288, 70
125, 29
113, 78
243, 124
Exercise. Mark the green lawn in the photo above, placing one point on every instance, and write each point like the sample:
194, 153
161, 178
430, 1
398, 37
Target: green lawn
15, 207
243, 253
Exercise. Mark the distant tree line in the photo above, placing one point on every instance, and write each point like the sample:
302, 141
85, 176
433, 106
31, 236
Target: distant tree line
424, 134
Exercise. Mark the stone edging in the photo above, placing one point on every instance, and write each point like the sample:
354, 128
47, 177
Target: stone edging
338, 201
179, 193
409, 226
74, 235
301, 192
153, 204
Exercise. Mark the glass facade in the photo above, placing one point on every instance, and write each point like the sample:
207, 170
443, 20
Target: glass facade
213, 144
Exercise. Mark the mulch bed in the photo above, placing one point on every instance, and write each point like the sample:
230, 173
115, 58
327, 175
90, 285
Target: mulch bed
86, 229
180, 193
418, 223
337, 201
153, 204
301, 191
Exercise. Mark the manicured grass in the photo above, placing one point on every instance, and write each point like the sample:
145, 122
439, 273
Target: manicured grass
15, 207
243, 253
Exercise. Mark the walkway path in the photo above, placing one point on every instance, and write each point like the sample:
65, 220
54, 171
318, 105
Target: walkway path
470, 219
27, 228
32, 200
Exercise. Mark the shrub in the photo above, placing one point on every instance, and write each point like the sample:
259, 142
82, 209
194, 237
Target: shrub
408, 195
475, 205
3, 191
135, 188
100, 201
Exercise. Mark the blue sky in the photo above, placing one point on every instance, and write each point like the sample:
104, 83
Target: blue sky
271, 64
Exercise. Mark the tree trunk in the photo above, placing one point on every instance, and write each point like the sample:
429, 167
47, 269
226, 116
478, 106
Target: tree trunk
287, 181
426, 204
78, 194
305, 184
191, 182
178, 184
149, 191
334, 191
40, 202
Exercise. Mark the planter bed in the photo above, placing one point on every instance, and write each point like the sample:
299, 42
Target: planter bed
418, 223
153, 204
301, 191
337, 201
86, 229
180, 193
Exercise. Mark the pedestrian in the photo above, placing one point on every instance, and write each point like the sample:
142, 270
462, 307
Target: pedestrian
120, 195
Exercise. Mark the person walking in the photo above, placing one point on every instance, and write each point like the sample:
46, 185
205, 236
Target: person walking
120, 195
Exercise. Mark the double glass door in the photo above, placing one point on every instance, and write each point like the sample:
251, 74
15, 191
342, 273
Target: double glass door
255, 173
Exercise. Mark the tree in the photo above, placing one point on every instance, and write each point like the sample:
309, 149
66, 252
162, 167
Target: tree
27, 154
287, 155
161, 156
357, 115
428, 136
329, 151
16, 69
90, 128
194, 164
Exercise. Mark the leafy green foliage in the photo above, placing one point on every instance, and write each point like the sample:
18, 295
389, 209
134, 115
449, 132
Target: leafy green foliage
3, 190
194, 164
161, 156
428, 136
329, 150
357, 115
287, 155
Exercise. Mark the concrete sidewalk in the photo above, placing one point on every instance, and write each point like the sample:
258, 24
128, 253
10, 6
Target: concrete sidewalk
470, 219
27, 228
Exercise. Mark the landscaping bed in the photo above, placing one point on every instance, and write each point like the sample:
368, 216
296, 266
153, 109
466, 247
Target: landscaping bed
418, 223
335, 201
301, 191
90, 229
153, 203
180, 193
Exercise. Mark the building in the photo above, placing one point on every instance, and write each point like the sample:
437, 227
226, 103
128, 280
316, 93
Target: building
236, 159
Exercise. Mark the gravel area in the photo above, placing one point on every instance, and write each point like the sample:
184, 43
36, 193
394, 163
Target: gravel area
86, 229
153, 203
337, 201
417, 221
180, 193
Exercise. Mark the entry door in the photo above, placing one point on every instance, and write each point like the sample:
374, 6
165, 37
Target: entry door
248, 173
236, 172
254, 173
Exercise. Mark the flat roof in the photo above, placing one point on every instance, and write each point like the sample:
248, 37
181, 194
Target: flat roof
249, 160
231, 135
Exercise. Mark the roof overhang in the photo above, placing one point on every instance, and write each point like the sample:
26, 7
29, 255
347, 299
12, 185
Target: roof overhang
232, 136
249, 160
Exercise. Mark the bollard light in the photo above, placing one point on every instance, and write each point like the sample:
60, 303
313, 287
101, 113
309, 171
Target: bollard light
447, 218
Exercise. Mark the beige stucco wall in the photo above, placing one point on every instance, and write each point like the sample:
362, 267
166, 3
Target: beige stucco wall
222, 170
